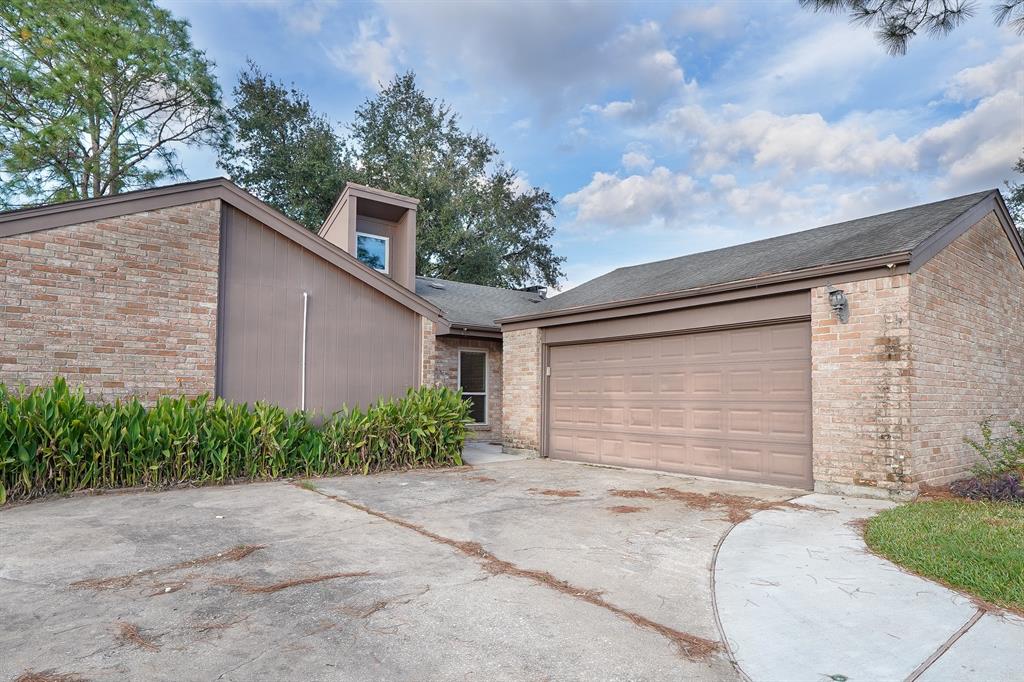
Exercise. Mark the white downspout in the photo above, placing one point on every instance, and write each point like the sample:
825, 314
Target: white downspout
305, 317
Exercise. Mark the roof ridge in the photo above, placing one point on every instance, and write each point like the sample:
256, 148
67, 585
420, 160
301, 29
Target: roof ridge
471, 284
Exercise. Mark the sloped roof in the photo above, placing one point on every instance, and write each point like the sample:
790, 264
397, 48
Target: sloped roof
54, 216
896, 232
473, 305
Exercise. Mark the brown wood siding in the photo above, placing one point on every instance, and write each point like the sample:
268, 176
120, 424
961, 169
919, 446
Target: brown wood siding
732, 403
360, 344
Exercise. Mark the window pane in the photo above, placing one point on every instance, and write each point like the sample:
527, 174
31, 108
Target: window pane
478, 407
372, 250
473, 366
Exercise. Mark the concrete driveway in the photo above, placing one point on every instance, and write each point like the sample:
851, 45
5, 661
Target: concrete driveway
526, 570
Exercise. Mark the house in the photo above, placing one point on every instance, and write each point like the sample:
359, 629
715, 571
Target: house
850, 358
201, 288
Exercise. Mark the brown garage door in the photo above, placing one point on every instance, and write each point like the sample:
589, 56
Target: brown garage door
728, 404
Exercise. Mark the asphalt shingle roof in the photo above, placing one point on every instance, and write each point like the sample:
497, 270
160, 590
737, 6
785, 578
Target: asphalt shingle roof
475, 305
853, 240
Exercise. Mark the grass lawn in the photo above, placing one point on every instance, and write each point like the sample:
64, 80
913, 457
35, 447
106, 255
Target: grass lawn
977, 547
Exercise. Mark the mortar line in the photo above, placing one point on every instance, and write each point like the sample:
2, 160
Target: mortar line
692, 647
945, 646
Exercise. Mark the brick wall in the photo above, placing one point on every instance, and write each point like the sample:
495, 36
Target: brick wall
967, 334
447, 374
860, 383
428, 352
122, 306
522, 389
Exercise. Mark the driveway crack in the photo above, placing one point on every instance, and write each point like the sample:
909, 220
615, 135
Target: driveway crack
945, 646
690, 646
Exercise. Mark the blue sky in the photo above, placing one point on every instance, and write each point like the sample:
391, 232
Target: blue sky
663, 128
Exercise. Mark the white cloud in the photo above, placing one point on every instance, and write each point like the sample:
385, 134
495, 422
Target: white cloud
564, 56
632, 201
717, 21
978, 148
521, 184
300, 16
305, 17
1006, 72
826, 65
798, 142
372, 55
634, 160
614, 109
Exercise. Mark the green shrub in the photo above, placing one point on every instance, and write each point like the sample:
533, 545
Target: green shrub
53, 440
998, 456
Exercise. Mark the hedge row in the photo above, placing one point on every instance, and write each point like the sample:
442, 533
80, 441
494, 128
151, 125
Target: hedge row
53, 440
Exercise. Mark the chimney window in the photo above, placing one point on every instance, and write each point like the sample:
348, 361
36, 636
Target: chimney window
373, 250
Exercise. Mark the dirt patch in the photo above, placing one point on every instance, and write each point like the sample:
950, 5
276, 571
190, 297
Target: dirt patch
118, 582
48, 676
858, 525
634, 494
481, 479
554, 493
129, 634
690, 646
252, 588
935, 492
737, 508
626, 509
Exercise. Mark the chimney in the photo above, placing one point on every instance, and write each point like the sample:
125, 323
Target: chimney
378, 228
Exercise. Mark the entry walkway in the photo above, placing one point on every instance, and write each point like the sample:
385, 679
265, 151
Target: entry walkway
800, 597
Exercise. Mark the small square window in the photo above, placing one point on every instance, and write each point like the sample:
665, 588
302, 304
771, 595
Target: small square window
473, 382
372, 249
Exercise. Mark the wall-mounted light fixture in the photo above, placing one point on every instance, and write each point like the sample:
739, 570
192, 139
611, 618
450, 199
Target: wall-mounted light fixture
840, 306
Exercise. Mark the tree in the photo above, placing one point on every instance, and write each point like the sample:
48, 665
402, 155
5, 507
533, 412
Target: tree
95, 96
898, 21
1015, 197
279, 149
475, 223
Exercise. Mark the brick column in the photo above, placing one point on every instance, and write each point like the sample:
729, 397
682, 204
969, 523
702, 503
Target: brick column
860, 387
428, 353
521, 392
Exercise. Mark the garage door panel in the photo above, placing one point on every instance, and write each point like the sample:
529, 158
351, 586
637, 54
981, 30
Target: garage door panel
733, 403
671, 419
706, 382
747, 462
789, 424
707, 420
788, 464
746, 422
705, 346
785, 339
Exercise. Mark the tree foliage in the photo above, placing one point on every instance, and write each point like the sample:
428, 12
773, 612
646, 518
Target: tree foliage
95, 96
897, 21
282, 151
1015, 197
475, 222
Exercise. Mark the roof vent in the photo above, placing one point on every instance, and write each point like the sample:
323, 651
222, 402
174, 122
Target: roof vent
435, 285
538, 289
